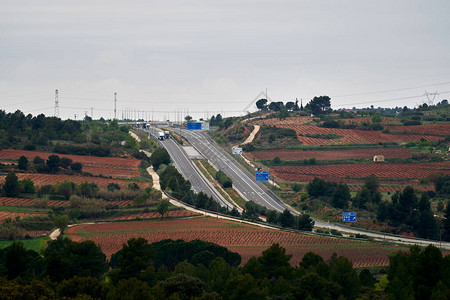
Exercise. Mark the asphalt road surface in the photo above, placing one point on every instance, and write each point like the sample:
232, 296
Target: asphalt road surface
189, 171
246, 185
259, 193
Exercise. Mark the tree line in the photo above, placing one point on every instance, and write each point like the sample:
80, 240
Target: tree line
408, 210
318, 106
201, 270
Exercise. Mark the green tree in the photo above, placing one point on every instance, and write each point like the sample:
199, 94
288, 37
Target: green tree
159, 156
305, 222
130, 142
366, 278
243, 286
272, 216
61, 222
76, 167
112, 186
131, 261
261, 104
81, 287
318, 187
22, 164
18, 261
188, 118
65, 162
274, 263
446, 223
182, 285
276, 160
131, 289
66, 259
319, 105
11, 187
163, 207
65, 188
286, 219
27, 186
342, 273
297, 187
53, 163
283, 114
341, 196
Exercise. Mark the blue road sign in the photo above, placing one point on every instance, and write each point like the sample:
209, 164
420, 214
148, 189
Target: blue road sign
194, 126
348, 217
262, 176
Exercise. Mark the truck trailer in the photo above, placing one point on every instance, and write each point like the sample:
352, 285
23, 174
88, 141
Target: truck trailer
161, 135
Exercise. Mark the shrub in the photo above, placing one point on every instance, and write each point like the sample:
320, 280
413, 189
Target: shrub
224, 180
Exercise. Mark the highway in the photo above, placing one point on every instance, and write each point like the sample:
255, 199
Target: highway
185, 166
257, 192
242, 182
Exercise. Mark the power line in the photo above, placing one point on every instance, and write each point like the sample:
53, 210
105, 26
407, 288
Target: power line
186, 101
386, 100
394, 90
149, 111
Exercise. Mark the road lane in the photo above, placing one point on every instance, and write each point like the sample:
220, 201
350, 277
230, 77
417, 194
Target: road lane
185, 166
241, 180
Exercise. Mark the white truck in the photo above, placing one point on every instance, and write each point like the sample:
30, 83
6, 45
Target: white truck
161, 135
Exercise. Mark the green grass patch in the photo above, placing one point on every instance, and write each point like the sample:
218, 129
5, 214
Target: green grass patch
208, 167
236, 197
37, 244
22, 209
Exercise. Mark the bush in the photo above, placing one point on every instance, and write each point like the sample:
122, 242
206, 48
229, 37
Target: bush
297, 187
224, 180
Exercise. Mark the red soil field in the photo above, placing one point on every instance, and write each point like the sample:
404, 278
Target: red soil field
95, 161
359, 121
43, 179
287, 121
247, 240
151, 215
288, 154
116, 173
441, 129
7, 214
30, 202
393, 189
37, 233
354, 173
352, 136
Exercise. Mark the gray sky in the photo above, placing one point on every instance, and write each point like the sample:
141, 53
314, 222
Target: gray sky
217, 56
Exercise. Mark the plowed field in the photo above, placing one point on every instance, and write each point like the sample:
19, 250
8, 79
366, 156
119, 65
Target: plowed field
354, 173
95, 161
30, 202
352, 136
440, 129
113, 172
7, 214
287, 154
150, 215
43, 179
247, 240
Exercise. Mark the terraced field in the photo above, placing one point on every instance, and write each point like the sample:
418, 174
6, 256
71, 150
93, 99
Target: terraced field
247, 240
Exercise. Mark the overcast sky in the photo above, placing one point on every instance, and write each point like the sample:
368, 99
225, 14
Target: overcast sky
204, 57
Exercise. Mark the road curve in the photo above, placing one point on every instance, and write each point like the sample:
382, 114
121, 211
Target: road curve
185, 166
260, 194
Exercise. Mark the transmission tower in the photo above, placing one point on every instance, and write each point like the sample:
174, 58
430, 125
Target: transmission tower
261, 94
431, 97
56, 114
115, 105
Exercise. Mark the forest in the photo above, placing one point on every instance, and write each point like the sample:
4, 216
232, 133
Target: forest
171, 269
